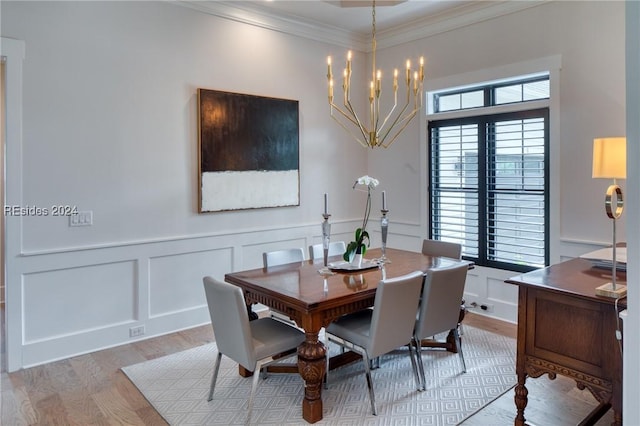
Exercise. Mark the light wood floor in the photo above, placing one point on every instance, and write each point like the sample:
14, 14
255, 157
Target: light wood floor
91, 390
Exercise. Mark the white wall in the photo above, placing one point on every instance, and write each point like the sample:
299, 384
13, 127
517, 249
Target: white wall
109, 124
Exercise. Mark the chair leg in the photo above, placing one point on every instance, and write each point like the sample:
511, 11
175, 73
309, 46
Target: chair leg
254, 385
413, 365
215, 376
418, 347
372, 397
326, 369
459, 345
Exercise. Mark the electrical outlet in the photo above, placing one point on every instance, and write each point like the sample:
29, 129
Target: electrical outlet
486, 307
84, 218
136, 331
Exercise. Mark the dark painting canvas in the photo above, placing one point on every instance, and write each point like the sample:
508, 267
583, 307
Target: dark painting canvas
249, 151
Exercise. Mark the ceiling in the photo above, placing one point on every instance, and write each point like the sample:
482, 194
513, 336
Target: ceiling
347, 23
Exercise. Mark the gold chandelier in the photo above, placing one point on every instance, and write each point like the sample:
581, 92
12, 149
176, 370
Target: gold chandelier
378, 131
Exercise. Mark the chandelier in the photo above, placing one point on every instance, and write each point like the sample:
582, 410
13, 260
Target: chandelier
379, 130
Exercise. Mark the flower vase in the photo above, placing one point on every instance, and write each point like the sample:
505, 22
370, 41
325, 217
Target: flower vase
356, 261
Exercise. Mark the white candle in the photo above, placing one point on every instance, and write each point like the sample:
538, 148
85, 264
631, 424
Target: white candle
384, 200
326, 203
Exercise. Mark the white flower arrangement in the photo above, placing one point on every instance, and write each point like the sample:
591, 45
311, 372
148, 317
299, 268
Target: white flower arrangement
361, 234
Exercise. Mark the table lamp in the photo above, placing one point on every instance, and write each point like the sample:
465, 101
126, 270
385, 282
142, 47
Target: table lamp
610, 162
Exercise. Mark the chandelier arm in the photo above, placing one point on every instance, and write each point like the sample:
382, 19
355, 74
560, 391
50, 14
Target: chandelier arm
403, 120
373, 116
395, 104
357, 122
343, 113
406, 120
350, 115
398, 119
357, 139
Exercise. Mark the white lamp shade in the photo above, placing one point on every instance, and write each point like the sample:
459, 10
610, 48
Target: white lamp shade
610, 158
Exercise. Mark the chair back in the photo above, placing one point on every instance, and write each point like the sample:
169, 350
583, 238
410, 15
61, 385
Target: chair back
230, 321
394, 313
281, 257
441, 248
440, 303
335, 248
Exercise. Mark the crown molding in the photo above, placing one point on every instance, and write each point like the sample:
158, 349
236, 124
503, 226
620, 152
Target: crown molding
236, 11
452, 19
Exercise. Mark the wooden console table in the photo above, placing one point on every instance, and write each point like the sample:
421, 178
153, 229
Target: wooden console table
564, 328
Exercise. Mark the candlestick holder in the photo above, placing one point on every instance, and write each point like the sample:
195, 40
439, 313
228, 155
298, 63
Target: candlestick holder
326, 236
384, 227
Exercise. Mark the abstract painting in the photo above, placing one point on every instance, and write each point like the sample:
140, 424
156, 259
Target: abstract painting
248, 151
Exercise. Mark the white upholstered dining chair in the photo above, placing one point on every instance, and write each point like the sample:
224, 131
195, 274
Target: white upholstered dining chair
282, 257
441, 248
389, 325
445, 249
252, 344
335, 248
439, 309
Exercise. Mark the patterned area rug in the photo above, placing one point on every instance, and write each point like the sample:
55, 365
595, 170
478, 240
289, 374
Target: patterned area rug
177, 386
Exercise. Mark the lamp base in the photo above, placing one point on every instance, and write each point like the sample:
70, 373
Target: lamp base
607, 290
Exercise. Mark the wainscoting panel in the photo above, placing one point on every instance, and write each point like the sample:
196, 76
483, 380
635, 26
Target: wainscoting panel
486, 286
75, 300
503, 296
175, 281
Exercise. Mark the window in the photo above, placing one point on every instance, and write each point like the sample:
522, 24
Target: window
500, 93
489, 178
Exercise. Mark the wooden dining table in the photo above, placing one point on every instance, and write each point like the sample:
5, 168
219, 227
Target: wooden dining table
313, 300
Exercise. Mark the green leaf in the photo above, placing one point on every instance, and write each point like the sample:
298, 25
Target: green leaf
351, 248
364, 235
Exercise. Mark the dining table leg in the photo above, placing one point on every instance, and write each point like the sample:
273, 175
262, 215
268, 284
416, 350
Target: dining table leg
311, 366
